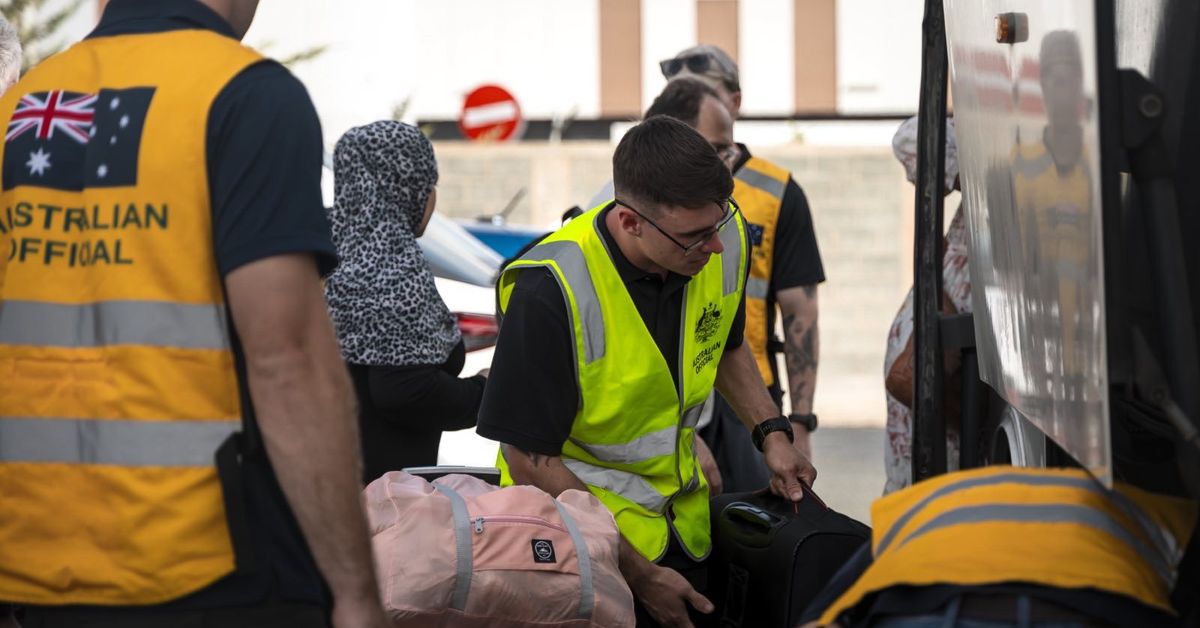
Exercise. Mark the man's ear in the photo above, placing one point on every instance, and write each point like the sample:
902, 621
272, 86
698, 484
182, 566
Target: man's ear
736, 97
628, 221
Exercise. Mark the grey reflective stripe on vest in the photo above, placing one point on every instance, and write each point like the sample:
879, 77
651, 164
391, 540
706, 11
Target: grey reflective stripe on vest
756, 179
756, 288
658, 443
465, 565
1044, 513
107, 323
1162, 539
969, 483
645, 447
123, 442
587, 590
731, 258
631, 486
569, 258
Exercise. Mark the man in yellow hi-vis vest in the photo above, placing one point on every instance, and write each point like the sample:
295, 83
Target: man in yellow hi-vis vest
616, 329
784, 273
177, 438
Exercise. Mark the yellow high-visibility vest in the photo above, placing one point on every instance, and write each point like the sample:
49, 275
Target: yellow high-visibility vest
1052, 527
632, 439
118, 379
758, 188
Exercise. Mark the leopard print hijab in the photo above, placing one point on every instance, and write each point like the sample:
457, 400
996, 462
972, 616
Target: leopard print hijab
382, 297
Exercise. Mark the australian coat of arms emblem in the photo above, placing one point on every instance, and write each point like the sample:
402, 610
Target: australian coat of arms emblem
706, 325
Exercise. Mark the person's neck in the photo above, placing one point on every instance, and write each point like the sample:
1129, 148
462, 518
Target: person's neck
629, 248
224, 10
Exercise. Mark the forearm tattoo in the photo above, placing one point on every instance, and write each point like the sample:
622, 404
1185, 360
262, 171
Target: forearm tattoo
800, 350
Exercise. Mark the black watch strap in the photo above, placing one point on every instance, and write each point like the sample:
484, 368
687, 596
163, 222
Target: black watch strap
809, 421
777, 424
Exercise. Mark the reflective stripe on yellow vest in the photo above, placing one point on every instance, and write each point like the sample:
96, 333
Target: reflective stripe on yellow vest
631, 440
758, 188
1058, 528
118, 376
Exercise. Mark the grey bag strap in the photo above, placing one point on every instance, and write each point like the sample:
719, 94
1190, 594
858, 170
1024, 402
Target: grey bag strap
462, 547
587, 591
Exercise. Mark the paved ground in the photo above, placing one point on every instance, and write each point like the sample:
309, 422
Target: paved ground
849, 461
849, 464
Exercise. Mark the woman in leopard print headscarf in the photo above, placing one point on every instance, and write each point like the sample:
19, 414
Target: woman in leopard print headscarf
401, 343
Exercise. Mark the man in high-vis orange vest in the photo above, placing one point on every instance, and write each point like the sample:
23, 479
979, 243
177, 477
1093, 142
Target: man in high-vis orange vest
177, 437
784, 273
1006, 546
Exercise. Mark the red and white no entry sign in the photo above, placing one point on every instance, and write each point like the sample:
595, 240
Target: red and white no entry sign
490, 113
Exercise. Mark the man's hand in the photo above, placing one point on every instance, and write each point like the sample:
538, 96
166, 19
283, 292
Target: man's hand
708, 465
666, 594
788, 467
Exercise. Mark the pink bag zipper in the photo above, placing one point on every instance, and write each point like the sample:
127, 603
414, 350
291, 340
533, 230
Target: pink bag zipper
537, 521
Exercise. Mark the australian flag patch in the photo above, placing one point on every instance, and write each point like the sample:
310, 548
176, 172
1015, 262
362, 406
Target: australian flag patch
71, 141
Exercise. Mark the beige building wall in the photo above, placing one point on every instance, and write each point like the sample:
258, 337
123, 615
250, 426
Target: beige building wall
816, 55
620, 57
717, 24
862, 212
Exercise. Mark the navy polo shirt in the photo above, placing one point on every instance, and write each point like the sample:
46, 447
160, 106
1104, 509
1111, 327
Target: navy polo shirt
264, 146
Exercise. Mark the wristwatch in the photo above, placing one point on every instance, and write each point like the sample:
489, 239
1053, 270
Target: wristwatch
777, 424
809, 421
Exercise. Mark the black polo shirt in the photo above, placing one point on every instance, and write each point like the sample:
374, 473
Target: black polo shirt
264, 154
532, 394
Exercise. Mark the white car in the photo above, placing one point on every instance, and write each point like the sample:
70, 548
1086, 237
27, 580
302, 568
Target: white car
465, 272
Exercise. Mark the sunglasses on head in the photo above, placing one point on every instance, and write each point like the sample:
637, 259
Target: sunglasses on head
696, 64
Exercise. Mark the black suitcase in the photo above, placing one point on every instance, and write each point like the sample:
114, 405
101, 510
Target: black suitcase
771, 557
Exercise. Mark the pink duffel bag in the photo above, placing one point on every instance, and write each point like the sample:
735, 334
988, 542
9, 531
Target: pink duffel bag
460, 552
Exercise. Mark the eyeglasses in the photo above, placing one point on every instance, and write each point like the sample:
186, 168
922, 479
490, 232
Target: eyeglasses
696, 64
731, 209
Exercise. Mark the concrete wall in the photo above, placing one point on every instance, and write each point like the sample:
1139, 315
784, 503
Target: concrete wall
862, 210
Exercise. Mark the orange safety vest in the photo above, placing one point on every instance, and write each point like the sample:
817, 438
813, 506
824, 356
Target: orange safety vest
758, 188
1052, 527
115, 354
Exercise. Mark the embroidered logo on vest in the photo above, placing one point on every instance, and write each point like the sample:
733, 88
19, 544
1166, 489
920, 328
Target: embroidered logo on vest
756, 233
707, 324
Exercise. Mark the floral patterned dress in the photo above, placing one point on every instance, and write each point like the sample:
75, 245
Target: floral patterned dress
956, 283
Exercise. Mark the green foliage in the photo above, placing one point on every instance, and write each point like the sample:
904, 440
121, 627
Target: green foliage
290, 60
38, 26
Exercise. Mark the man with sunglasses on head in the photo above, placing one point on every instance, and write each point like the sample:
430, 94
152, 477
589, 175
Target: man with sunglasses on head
784, 273
617, 327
